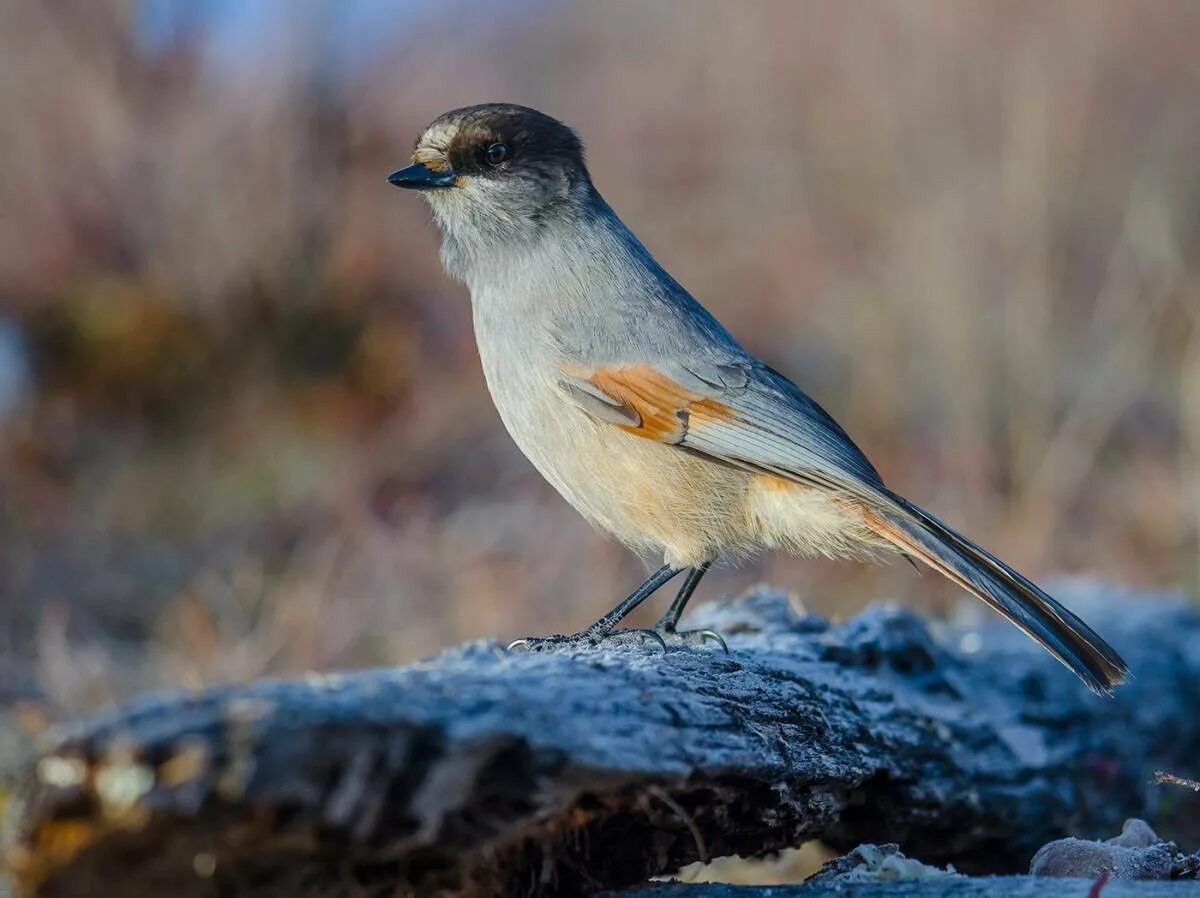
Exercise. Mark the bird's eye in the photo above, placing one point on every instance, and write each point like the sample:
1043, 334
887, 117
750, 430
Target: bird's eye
496, 153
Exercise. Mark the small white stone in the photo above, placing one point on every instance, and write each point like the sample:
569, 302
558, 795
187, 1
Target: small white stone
970, 643
121, 785
204, 864
60, 772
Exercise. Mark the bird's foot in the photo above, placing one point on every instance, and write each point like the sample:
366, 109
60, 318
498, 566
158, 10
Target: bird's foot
589, 640
671, 636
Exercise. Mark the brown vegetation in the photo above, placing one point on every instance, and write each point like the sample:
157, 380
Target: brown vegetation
255, 437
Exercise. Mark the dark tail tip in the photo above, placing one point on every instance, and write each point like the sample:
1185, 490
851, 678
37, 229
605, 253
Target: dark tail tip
1013, 595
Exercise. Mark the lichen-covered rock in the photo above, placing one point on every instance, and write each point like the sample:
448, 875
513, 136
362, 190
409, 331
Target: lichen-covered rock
878, 863
484, 773
1137, 853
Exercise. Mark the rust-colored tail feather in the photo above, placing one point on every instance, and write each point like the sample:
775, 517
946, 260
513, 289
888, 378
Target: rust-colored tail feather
918, 533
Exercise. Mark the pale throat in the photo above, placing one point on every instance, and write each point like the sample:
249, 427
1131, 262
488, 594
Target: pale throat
494, 257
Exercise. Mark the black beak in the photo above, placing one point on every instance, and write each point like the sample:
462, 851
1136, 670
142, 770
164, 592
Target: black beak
420, 177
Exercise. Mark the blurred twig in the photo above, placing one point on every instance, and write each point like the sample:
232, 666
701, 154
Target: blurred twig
1161, 777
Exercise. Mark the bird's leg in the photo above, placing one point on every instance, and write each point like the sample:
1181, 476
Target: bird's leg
604, 626
602, 630
670, 620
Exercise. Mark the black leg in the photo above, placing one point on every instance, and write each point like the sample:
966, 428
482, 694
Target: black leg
604, 626
669, 622
601, 629
670, 619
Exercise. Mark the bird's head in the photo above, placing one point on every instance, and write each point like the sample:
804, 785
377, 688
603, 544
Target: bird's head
496, 173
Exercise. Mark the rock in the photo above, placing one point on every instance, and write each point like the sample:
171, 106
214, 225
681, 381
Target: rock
877, 863
1137, 853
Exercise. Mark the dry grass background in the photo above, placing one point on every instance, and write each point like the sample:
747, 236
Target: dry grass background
253, 436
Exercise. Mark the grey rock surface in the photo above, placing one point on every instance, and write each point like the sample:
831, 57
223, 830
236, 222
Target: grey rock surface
964, 887
1137, 853
877, 863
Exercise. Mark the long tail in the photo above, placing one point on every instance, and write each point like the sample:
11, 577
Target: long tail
919, 534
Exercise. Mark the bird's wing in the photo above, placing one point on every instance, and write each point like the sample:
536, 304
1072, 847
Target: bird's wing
752, 417
740, 413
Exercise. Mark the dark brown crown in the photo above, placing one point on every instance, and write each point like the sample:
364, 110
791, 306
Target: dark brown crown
534, 142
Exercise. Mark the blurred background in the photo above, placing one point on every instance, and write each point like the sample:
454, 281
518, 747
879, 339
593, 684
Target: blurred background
243, 428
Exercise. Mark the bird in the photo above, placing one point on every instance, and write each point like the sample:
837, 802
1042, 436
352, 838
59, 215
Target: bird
646, 414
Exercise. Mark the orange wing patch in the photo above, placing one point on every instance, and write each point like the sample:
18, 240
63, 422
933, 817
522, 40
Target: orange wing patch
665, 407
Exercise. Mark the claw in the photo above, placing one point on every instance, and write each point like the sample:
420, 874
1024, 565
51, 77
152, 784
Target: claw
662, 643
523, 641
692, 637
717, 638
